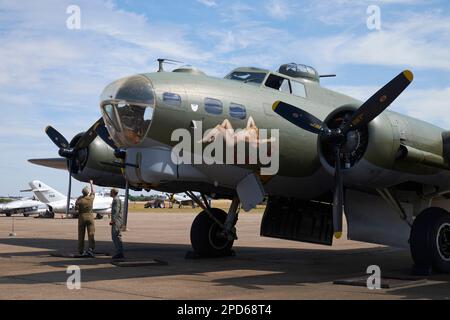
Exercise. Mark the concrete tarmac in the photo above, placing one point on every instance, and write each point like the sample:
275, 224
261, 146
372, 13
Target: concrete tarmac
262, 268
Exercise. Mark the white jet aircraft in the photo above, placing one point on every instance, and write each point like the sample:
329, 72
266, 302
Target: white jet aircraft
27, 207
57, 202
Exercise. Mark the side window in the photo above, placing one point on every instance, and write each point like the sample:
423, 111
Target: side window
298, 89
213, 106
238, 111
172, 99
285, 86
278, 83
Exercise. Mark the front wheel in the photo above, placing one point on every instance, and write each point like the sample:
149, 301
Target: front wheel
430, 239
207, 236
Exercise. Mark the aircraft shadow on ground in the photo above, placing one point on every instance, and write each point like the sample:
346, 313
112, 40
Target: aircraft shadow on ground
274, 266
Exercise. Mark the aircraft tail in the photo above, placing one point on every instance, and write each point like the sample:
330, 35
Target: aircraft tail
44, 193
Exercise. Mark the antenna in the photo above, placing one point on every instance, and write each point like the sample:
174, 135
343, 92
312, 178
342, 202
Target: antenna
162, 61
327, 76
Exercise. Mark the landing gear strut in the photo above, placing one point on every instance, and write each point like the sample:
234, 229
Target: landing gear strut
213, 231
430, 241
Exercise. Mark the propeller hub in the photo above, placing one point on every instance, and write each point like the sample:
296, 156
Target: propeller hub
352, 144
120, 154
67, 153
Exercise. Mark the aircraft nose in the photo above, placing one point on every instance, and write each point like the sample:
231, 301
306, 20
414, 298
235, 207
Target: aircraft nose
127, 107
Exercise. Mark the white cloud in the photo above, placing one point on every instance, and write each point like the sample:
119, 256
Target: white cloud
405, 43
430, 105
279, 9
208, 3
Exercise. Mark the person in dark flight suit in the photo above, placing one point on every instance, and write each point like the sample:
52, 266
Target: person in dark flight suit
117, 224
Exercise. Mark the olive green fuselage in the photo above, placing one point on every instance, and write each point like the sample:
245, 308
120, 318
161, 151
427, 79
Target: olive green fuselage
299, 152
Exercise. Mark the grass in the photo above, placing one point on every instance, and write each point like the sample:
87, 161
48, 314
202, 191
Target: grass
138, 207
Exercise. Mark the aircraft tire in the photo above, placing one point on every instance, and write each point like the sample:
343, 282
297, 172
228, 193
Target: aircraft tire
430, 240
99, 216
205, 238
50, 214
8, 214
26, 215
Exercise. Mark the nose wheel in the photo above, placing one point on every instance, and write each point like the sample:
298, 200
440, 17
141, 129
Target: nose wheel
430, 240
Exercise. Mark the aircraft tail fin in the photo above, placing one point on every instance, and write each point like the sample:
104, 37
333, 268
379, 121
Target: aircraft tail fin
44, 193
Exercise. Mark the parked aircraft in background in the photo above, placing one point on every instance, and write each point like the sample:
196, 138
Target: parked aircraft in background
27, 207
181, 199
57, 202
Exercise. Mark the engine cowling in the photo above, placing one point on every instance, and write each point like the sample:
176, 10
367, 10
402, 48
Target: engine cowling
369, 152
92, 164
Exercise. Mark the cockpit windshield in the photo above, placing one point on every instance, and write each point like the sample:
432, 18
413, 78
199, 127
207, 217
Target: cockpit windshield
128, 107
254, 78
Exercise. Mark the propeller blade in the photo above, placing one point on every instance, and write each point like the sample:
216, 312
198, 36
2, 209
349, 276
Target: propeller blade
57, 138
103, 133
90, 135
338, 197
69, 191
299, 117
54, 163
380, 101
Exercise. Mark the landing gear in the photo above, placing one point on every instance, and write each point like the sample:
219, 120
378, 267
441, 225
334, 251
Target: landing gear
47, 215
8, 215
213, 231
99, 216
207, 235
430, 240
26, 215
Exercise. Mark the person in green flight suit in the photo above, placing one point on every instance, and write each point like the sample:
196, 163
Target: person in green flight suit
117, 224
84, 207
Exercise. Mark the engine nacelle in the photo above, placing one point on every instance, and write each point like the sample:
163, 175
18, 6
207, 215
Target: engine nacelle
92, 164
370, 152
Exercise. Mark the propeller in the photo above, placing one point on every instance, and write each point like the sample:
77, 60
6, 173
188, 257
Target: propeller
72, 153
370, 110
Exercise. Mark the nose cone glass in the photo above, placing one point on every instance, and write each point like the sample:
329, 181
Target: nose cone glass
127, 106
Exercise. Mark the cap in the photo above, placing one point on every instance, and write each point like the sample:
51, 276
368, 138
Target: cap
85, 191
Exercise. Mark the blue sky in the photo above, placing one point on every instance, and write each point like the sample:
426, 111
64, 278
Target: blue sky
52, 75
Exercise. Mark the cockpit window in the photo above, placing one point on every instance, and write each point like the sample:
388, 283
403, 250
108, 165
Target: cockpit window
298, 89
254, 78
127, 106
134, 89
278, 83
134, 121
